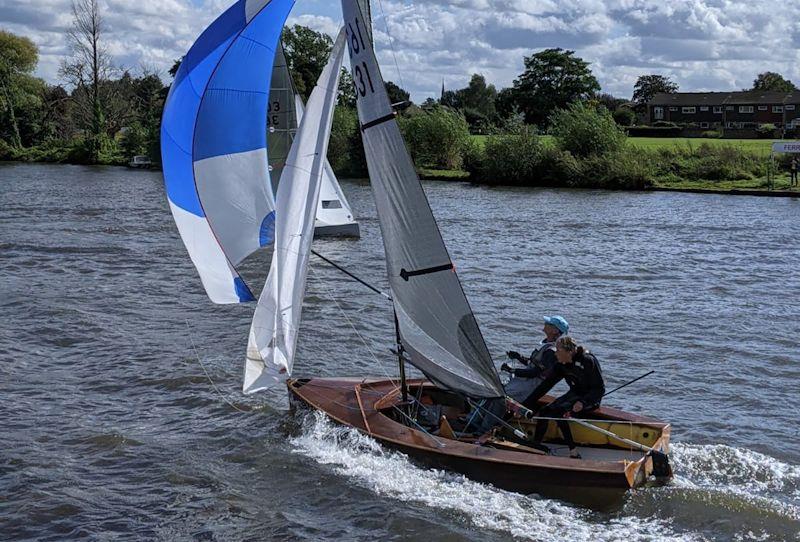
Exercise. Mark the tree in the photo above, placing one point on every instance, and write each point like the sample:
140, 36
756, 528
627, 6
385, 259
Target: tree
773, 81
18, 58
397, 95
307, 52
553, 79
648, 86
88, 67
346, 96
173, 71
609, 102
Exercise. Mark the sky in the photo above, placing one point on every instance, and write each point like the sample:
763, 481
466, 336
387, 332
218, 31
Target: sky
703, 45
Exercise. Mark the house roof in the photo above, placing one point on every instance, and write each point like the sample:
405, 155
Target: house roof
726, 98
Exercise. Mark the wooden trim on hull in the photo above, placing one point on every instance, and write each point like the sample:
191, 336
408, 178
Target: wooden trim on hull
356, 403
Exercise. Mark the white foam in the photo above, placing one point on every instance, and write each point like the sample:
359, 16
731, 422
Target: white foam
391, 474
760, 479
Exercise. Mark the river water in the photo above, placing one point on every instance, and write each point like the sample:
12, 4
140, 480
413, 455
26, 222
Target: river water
111, 428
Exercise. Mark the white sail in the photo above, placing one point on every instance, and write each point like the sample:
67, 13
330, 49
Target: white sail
273, 333
333, 210
436, 325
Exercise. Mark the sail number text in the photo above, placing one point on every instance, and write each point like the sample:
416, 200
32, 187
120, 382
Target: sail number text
273, 107
362, 79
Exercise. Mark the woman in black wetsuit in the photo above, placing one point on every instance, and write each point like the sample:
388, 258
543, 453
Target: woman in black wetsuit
581, 370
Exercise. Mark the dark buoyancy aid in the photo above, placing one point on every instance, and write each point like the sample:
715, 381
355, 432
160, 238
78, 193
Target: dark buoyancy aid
540, 364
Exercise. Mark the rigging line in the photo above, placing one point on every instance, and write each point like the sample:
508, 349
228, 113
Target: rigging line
349, 274
349, 321
213, 384
391, 44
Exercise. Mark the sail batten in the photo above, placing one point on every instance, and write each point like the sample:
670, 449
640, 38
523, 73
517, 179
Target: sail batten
276, 321
436, 324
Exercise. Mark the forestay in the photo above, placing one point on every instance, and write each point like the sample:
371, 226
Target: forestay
437, 326
213, 144
273, 333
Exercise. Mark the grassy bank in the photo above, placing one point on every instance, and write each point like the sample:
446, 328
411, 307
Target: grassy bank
758, 146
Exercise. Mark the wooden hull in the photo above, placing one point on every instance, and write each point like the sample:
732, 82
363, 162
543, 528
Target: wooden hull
363, 404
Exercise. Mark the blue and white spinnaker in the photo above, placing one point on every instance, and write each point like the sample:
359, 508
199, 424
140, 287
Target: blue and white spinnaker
213, 144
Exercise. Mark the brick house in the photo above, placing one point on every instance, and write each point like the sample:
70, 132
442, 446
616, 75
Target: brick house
733, 110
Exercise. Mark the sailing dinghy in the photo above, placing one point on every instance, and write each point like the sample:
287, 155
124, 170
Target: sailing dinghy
437, 333
334, 216
218, 187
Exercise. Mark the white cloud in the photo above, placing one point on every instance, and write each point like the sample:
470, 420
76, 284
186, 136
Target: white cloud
702, 44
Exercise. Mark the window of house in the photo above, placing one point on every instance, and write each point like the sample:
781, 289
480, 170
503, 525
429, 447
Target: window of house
703, 125
717, 109
777, 109
745, 109
658, 113
703, 108
673, 108
789, 108
688, 110
728, 108
762, 107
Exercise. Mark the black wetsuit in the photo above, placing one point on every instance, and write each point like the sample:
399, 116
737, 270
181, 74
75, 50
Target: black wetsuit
539, 366
586, 385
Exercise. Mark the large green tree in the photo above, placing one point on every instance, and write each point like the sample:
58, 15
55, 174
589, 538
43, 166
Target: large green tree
773, 81
18, 58
307, 52
553, 79
648, 86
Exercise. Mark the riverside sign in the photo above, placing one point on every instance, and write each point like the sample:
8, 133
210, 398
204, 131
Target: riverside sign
786, 147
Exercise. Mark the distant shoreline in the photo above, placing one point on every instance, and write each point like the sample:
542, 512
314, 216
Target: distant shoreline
463, 176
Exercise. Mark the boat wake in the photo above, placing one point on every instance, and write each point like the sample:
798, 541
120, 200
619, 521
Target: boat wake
391, 474
741, 477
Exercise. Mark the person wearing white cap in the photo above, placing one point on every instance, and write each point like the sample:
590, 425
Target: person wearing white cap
540, 363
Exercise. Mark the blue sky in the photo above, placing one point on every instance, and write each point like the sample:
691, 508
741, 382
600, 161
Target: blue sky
701, 44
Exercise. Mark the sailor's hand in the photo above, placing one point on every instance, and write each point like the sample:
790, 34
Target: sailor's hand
513, 354
577, 407
506, 368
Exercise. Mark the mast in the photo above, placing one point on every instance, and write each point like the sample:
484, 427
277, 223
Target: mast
401, 359
435, 323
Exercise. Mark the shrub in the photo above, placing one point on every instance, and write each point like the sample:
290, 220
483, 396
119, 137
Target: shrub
510, 159
711, 134
706, 163
664, 124
618, 170
624, 116
584, 131
766, 131
436, 138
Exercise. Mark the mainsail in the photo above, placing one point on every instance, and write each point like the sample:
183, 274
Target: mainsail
436, 325
273, 333
282, 119
213, 144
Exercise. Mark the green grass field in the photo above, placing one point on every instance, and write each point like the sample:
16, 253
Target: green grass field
760, 146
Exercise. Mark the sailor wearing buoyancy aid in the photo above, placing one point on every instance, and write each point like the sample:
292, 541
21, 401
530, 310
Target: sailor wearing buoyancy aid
540, 363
